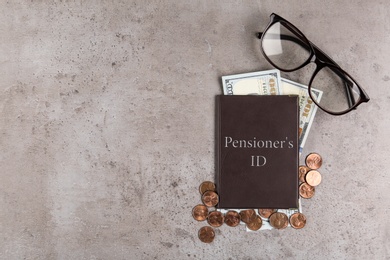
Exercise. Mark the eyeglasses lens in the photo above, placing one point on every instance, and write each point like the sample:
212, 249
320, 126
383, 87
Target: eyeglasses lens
339, 91
284, 48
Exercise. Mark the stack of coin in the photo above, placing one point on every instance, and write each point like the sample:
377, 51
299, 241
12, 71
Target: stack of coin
309, 176
202, 212
251, 219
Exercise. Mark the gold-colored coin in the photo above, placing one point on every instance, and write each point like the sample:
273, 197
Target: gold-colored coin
297, 220
278, 220
265, 213
255, 224
215, 219
199, 212
210, 198
313, 178
302, 172
205, 186
314, 161
232, 218
206, 234
248, 215
306, 191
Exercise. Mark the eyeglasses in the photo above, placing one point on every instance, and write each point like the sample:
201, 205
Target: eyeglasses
330, 87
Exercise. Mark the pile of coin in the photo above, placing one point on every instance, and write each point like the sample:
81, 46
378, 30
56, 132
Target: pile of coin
202, 212
215, 218
309, 176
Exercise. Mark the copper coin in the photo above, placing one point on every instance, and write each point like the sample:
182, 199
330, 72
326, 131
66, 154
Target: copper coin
205, 186
206, 234
297, 220
255, 224
265, 213
278, 220
306, 191
314, 161
313, 178
248, 215
210, 198
199, 212
215, 219
232, 218
302, 172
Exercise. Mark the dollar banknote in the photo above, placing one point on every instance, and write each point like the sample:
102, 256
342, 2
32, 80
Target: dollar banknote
270, 82
307, 108
255, 83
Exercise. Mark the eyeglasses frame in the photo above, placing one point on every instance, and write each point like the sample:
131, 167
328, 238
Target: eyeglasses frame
320, 59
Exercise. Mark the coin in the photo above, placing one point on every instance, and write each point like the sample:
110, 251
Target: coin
297, 220
232, 218
206, 234
314, 161
265, 213
248, 215
302, 172
199, 212
210, 198
215, 219
313, 178
255, 224
306, 191
205, 186
278, 220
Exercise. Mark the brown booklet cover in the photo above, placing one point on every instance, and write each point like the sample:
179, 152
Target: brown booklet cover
257, 151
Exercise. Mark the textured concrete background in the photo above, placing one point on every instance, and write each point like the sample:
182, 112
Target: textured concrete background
107, 128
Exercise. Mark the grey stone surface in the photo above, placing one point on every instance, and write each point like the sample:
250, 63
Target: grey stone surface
107, 128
